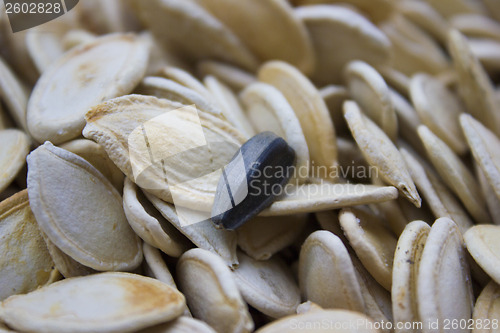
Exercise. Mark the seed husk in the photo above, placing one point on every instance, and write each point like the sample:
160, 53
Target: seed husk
13, 94
444, 288
156, 265
331, 26
487, 307
405, 272
309, 108
211, 292
202, 234
342, 318
368, 88
241, 192
89, 225
455, 174
289, 41
326, 274
438, 109
474, 85
373, 243
13, 151
441, 201
105, 302
186, 79
478, 26
229, 105
262, 237
485, 146
380, 152
180, 325
234, 77
87, 75
25, 263
481, 241
269, 110
149, 224
269, 286
194, 31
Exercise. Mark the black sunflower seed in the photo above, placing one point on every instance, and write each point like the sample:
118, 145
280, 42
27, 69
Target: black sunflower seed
253, 179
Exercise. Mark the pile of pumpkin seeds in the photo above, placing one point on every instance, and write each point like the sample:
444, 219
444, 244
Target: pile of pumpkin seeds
390, 224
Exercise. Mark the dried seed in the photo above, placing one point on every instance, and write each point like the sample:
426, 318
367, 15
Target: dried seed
211, 292
269, 110
262, 237
450, 8
13, 94
118, 123
380, 152
444, 288
202, 234
329, 27
180, 325
326, 274
405, 271
478, 26
395, 79
149, 224
13, 150
426, 17
492, 201
288, 42
482, 243
96, 155
268, 286
194, 31
156, 265
455, 174
368, 88
244, 187
474, 85
376, 10
186, 79
173, 91
66, 265
308, 307
310, 109
88, 224
234, 77
310, 198
487, 52
25, 263
373, 243
87, 75
229, 105
485, 146
105, 302
334, 97
441, 201
487, 307
438, 109
338, 318
413, 50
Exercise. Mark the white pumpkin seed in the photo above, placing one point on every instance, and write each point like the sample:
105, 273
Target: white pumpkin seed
13, 94
13, 150
481, 241
487, 308
234, 77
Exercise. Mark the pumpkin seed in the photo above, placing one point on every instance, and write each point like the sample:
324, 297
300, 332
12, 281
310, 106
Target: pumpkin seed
75, 82
474, 85
474, 25
326, 274
13, 150
455, 174
211, 292
480, 241
444, 288
26, 263
268, 286
156, 265
13, 94
288, 42
380, 152
186, 79
105, 302
234, 77
373, 243
89, 225
368, 88
269, 110
330, 26
487, 307
194, 31
405, 272
180, 325
310, 109
242, 192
